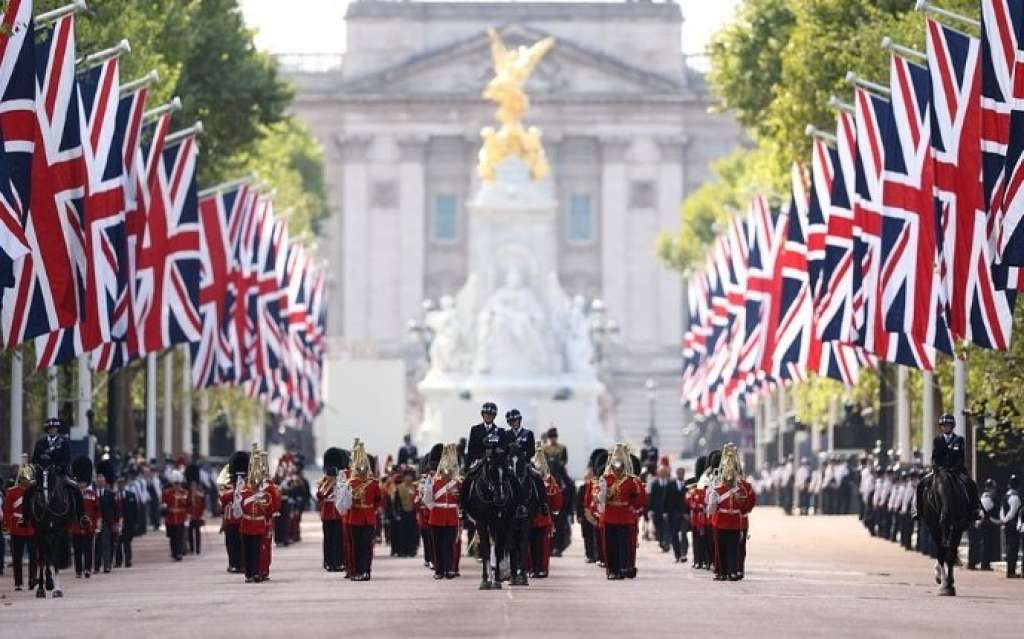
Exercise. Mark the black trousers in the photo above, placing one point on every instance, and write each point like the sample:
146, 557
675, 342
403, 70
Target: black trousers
233, 545
176, 536
251, 552
1012, 544
428, 545
616, 547
362, 549
123, 551
82, 545
332, 544
677, 535
727, 545
700, 557
589, 542
443, 538
406, 539
104, 553
195, 537
19, 547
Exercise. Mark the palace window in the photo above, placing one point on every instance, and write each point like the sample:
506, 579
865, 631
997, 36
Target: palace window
445, 223
581, 223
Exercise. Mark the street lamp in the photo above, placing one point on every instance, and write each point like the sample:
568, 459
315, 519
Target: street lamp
420, 331
652, 398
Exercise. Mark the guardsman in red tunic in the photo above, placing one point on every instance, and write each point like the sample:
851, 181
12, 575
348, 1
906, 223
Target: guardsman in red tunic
330, 518
698, 518
267, 545
423, 486
83, 531
729, 500
620, 496
747, 503
230, 483
443, 501
259, 503
361, 520
542, 528
21, 530
175, 509
196, 509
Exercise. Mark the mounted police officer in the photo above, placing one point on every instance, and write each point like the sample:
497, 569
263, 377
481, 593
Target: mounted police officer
484, 434
519, 441
949, 452
52, 449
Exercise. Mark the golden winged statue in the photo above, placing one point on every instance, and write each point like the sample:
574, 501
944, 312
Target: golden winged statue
512, 68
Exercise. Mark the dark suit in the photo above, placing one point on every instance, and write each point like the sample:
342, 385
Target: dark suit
407, 454
678, 514
951, 455
131, 515
104, 550
659, 516
477, 434
520, 445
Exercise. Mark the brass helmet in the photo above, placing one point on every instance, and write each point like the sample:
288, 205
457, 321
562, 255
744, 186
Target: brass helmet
259, 469
730, 467
360, 461
26, 474
619, 461
540, 461
449, 464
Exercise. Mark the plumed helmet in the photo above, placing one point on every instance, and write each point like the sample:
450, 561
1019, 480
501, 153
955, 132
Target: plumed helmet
192, 473
540, 460
239, 463
489, 408
449, 462
333, 458
513, 415
82, 469
434, 457
946, 418
714, 459
619, 459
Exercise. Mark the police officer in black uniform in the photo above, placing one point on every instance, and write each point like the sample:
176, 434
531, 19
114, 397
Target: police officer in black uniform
52, 449
484, 433
1009, 516
949, 452
519, 441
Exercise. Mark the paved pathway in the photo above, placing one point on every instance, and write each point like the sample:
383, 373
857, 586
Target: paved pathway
812, 576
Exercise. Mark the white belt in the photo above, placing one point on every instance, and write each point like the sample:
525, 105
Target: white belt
731, 511
445, 506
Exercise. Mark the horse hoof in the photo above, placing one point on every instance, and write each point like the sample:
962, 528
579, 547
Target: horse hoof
40, 594
485, 585
496, 585
947, 592
58, 593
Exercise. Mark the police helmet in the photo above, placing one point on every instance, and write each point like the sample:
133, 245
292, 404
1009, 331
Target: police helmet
489, 408
947, 419
513, 415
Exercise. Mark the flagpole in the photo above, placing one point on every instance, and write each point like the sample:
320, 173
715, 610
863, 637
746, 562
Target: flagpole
168, 438
839, 105
874, 87
960, 390
177, 136
186, 400
17, 406
927, 414
150, 406
927, 7
44, 19
902, 413
814, 132
145, 81
204, 424
899, 49
51, 391
84, 403
94, 60
163, 109
224, 186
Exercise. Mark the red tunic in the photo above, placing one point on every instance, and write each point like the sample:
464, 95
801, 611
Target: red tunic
445, 511
258, 508
625, 498
175, 503
366, 498
554, 500
14, 513
324, 499
91, 509
197, 504
733, 505
748, 503
226, 497
695, 500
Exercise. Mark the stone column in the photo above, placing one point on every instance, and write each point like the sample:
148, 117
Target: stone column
52, 390
927, 414
186, 400
670, 194
903, 414
355, 244
411, 233
151, 449
84, 402
204, 424
614, 227
17, 440
168, 433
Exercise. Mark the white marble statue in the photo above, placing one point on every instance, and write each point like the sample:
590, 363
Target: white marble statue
512, 334
579, 347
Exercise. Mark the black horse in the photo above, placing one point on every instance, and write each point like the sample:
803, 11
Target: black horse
532, 500
947, 512
52, 503
490, 498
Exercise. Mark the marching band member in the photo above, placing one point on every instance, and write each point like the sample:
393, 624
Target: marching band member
17, 525
175, 508
543, 526
259, 501
423, 486
361, 519
698, 519
230, 483
196, 509
83, 531
443, 501
620, 494
326, 492
727, 501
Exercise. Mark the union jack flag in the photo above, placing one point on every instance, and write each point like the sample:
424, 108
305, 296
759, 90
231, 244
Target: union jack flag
977, 311
16, 22
218, 214
1002, 47
911, 285
167, 270
49, 281
103, 147
789, 314
874, 115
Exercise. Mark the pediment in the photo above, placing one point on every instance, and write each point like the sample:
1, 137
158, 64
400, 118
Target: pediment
464, 68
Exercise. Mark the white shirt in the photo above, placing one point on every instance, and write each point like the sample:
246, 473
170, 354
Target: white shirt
1010, 508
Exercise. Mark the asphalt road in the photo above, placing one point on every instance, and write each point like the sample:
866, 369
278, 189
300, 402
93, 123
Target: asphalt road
810, 576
